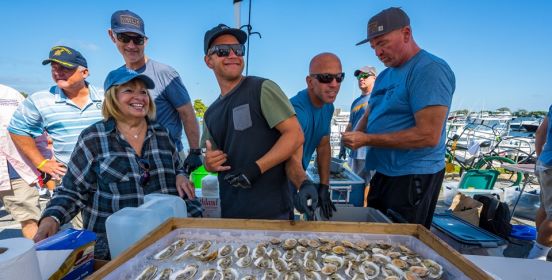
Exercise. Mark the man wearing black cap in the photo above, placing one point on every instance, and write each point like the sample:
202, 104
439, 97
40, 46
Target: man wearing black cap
172, 101
249, 132
405, 123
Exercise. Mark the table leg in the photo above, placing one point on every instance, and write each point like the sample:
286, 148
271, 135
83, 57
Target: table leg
526, 181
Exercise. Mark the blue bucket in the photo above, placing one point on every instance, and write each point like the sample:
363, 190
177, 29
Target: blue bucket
523, 232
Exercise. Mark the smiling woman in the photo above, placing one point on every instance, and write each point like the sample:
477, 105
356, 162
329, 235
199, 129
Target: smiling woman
117, 161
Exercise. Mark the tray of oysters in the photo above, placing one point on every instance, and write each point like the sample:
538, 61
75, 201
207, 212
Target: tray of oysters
209, 254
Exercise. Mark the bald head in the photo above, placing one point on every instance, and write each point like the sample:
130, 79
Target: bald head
324, 61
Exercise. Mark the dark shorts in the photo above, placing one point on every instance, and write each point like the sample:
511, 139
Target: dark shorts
412, 196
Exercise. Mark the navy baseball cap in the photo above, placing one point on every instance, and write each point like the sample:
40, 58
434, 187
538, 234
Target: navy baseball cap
220, 30
123, 75
127, 21
384, 22
67, 57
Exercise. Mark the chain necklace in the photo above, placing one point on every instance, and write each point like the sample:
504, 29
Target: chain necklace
135, 136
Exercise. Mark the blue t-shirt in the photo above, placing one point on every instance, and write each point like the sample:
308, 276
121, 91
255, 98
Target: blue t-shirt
357, 111
53, 112
314, 121
425, 80
546, 154
169, 94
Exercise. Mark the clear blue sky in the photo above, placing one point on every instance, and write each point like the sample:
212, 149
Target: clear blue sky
500, 51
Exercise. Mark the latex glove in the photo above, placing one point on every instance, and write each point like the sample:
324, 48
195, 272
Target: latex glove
306, 192
245, 177
342, 152
325, 201
192, 161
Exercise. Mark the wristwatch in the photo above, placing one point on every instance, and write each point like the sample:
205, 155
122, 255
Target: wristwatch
195, 151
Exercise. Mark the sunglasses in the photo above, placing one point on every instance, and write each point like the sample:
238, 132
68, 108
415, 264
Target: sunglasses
124, 38
145, 176
224, 50
327, 78
364, 76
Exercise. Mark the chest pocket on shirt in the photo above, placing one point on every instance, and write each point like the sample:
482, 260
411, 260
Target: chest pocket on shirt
114, 175
241, 117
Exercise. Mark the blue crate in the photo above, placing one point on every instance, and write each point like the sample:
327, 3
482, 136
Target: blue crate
347, 189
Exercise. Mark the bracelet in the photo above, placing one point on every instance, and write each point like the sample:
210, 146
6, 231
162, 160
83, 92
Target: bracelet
195, 151
41, 164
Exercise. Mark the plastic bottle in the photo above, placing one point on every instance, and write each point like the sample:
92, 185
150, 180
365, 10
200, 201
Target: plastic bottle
209, 196
128, 225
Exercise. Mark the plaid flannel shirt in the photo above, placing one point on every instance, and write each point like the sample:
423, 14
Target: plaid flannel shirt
103, 175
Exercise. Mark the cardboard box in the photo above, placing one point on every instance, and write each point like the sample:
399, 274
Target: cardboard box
67, 255
406, 231
211, 206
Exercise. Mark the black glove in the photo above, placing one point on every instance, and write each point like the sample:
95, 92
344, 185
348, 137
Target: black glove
325, 201
245, 177
342, 152
192, 161
300, 199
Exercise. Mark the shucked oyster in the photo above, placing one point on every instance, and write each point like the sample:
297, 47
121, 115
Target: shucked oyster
169, 250
185, 274
148, 273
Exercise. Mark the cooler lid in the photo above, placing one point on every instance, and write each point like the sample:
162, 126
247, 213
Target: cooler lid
465, 232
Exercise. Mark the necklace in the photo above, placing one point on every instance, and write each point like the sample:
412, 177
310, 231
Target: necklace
135, 136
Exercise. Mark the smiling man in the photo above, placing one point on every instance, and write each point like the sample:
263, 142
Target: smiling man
404, 124
63, 112
171, 98
250, 131
314, 108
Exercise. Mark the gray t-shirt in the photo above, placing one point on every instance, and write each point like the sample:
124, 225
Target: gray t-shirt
169, 94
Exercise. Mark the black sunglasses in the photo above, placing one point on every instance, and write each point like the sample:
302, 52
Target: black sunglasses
327, 78
224, 50
124, 38
364, 75
145, 177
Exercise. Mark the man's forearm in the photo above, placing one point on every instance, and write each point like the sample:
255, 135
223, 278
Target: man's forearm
540, 136
410, 138
290, 140
294, 168
27, 145
191, 126
323, 157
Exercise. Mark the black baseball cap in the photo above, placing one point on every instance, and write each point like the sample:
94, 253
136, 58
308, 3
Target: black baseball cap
220, 30
67, 57
384, 22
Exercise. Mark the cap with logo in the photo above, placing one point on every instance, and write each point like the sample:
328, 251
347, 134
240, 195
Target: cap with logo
123, 75
127, 21
366, 69
66, 56
384, 22
220, 30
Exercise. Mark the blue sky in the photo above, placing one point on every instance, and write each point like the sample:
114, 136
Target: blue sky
500, 51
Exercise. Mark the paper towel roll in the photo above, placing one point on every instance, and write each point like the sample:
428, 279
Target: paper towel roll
18, 259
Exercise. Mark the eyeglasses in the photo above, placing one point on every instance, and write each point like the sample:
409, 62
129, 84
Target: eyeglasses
327, 78
124, 38
364, 75
145, 177
224, 50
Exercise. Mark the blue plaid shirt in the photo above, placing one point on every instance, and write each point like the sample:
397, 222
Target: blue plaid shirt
103, 175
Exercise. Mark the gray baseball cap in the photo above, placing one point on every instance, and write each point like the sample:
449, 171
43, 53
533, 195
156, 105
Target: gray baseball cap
384, 22
366, 69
